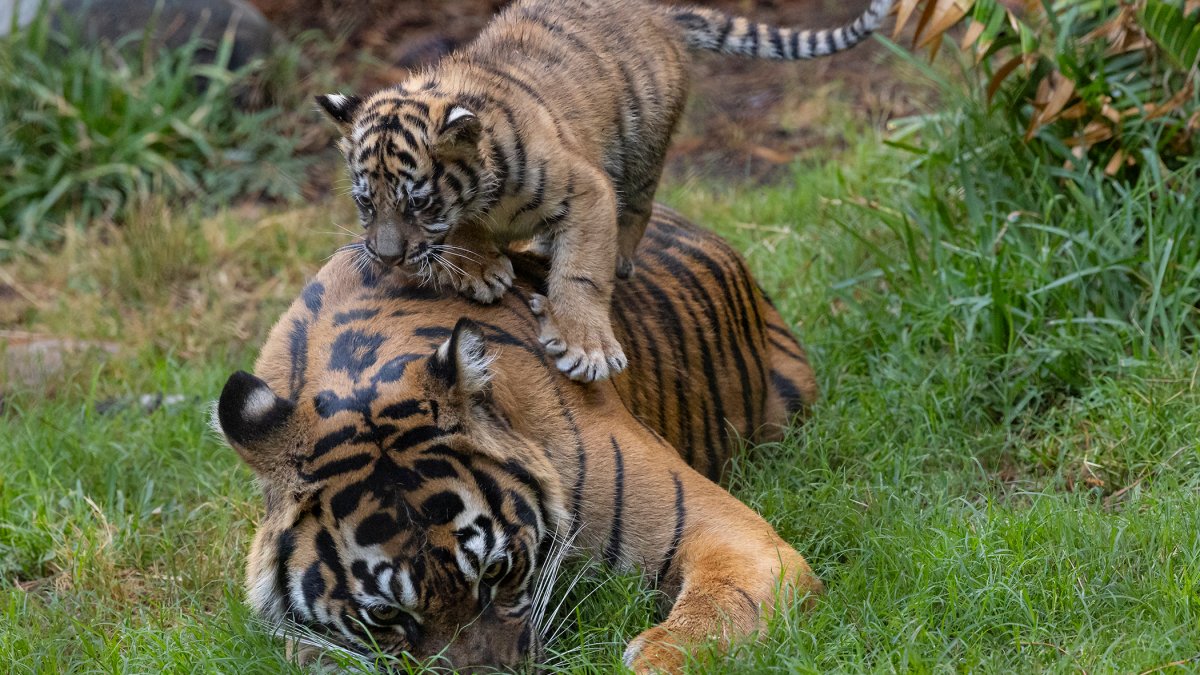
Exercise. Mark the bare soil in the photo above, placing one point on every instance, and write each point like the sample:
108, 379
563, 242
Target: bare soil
747, 119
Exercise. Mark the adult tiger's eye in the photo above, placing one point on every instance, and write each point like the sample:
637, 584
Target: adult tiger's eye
493, 573
385, 616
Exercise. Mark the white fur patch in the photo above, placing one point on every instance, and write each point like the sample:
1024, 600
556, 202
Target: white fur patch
258, 403
457, 113
214, 419
337, 100
473, 359
408, 592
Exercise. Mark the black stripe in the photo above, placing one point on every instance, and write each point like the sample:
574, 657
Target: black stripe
654, 360
786, 349
452, 181
723, 34
298, 354
745, 305
336, 468
417, 121
285, 546
580, 456
680, 518
671, 327
792, 399
539, 195
777, 41
517, 82
708, 363
332, 440
343, 318
612, 552
417, 435
401, 410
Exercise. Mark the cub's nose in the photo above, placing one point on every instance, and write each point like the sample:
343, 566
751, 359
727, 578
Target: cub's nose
387, 245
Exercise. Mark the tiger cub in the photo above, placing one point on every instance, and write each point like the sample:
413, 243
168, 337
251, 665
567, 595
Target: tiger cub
552, 124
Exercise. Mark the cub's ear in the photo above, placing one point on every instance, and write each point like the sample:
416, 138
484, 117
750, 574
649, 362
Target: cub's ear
459, 135
462, 363
254, 420
341, 109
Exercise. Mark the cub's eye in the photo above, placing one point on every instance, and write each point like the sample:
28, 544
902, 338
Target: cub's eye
364, 203
419, 203
494, 573
385, 615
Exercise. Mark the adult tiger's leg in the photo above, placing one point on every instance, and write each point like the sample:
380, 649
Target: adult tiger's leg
731, 572
470, 262
576, 328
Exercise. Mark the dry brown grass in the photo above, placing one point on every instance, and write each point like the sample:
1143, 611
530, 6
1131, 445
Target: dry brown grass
167, 281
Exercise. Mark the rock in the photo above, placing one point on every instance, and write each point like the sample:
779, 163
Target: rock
36, 361
174, 23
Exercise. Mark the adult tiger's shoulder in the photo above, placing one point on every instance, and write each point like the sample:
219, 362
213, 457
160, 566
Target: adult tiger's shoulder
423, 461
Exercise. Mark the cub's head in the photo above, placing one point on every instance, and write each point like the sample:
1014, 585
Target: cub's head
417, 168
405, 511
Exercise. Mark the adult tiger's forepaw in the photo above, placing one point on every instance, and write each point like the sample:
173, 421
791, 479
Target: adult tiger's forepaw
584, 352
654, 651
480, 276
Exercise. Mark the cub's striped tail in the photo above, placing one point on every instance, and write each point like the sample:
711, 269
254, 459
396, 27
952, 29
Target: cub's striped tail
716, 31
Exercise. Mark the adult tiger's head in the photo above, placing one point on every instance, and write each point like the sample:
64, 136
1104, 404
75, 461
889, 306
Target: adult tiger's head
417, 167
406, 512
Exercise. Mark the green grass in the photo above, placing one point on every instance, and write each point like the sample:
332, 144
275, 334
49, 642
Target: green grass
86, 132
1003, 475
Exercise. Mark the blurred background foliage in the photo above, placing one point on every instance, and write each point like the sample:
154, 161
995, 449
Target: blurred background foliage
1106, 82
90, 129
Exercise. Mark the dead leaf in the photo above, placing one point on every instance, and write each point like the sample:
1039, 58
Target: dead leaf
904, 10
947, 14
1001, 73
972, 34
1053, 93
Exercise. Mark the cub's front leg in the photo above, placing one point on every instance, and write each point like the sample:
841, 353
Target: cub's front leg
470, 262
576, 328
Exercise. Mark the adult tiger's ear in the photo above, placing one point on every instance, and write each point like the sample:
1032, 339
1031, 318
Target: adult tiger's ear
462, 364
341, 109
459, 136
255, 421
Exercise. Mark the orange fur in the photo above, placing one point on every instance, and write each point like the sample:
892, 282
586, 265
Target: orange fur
400, 434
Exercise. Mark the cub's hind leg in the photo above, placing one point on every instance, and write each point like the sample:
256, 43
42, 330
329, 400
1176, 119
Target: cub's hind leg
631, 225
576, 328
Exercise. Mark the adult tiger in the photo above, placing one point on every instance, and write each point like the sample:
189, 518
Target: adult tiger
420, 455
553, 123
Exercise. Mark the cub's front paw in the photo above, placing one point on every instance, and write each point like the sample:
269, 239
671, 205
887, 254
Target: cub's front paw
480, 276
654, 651
585, 351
